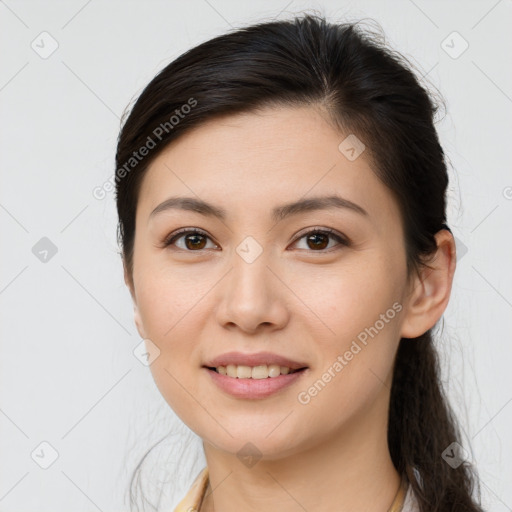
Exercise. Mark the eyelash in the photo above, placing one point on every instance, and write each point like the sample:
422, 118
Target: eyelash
343, 241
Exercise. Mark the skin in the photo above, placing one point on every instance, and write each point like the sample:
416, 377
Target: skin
295, 299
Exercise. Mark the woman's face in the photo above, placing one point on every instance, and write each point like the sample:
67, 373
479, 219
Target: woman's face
256, 279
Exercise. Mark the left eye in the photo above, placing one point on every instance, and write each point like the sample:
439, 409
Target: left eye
194, 240
318, 240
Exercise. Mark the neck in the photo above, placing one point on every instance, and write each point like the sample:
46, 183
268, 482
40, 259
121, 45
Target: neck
350, 470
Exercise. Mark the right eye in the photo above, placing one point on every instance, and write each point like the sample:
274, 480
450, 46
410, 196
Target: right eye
193, 239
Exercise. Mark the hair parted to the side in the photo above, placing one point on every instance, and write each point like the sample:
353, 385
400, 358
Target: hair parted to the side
366, 89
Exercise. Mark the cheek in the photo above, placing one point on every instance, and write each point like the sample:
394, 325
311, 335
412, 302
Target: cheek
167, 299
360, 312
343, 301
166, 308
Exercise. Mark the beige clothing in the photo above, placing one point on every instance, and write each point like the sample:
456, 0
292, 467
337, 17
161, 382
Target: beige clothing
405, 500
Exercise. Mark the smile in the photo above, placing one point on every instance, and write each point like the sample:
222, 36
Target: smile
253, 388
254, 372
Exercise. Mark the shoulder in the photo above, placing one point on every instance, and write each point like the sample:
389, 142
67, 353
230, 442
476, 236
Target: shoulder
192, 500
410, 502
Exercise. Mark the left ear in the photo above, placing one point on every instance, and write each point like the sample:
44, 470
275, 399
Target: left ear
431, 289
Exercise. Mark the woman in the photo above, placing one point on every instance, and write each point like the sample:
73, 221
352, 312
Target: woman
281, 201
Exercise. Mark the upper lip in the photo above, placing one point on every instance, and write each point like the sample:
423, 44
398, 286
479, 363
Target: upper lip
257, 359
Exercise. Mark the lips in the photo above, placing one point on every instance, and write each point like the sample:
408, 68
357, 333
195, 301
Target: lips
257, 359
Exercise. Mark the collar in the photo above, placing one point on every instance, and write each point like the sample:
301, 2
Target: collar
194, 498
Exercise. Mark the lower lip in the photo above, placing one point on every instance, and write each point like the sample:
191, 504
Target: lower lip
254, 388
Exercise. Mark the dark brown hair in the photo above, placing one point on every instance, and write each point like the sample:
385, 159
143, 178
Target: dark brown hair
368, 90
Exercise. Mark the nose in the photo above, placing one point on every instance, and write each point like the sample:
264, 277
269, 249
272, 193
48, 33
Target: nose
252, 297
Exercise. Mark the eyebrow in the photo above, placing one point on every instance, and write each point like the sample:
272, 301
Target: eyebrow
278, 213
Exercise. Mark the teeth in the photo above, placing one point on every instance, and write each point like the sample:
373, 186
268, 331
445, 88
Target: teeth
255, 372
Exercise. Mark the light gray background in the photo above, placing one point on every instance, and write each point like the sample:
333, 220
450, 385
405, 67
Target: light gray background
68, 373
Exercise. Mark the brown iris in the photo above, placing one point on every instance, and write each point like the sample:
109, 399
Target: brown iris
197, 241
318, 244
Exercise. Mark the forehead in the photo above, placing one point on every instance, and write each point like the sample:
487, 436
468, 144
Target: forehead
275, 155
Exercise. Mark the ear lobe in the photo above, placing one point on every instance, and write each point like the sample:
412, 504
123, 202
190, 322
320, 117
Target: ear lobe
128, 281
138, 322
431, 290
136, 313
